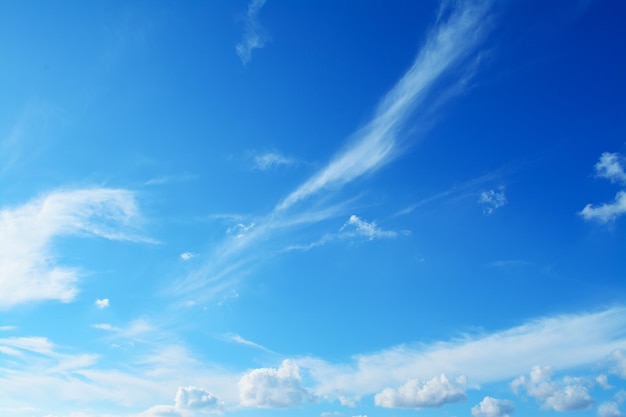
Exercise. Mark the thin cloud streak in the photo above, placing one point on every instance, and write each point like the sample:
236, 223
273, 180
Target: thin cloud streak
254, 36
375, 144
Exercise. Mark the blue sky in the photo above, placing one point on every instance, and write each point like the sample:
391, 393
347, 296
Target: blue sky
313, 208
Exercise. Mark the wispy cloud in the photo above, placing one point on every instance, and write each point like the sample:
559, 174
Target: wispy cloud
449, 44
269, 160
367, 229
491, 200
376, 143
102, 303
235, 338
610, 167
254, 36
28, 271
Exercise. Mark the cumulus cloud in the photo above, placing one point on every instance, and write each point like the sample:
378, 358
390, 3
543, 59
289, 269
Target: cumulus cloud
606, 212
610, 167
610, 409
189, 402
367, 229
418, 394
559, 397
194, 398
492, 200
254, 36
269, 160
603, 381
492, 407
274, 388
28, 271
102, 303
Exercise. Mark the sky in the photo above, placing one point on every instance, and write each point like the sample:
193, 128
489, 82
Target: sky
313, 208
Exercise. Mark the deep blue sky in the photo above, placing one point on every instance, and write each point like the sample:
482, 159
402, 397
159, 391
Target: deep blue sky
313, 208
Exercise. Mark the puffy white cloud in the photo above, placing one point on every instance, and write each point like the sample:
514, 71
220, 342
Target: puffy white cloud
559, 397
102, 303
610, 167
274, 388
417, 394
607, 212
610, 409
27, 266
194, 398
367, 229
492, 407
492, 200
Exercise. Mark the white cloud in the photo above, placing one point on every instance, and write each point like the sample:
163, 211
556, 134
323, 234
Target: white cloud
7, 328
610, 167
560, 397
270, 160
375, 144
418, 394
254, 36
618, 362
102, 303
483, 358
369, 230
610, 409
603, 381
492, 407
197, 399
607, 212
274, 388
240, 340
185, 256
28, 271
492, 200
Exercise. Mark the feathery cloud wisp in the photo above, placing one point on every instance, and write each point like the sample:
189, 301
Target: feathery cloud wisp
376, 143
254, 36
27, 267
